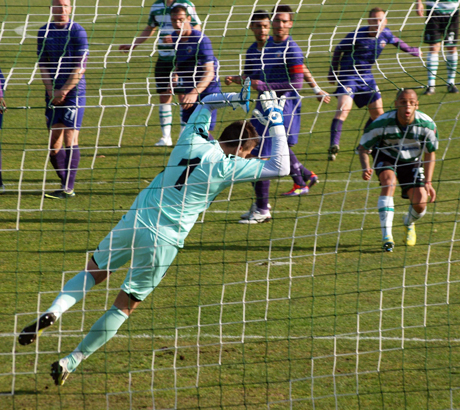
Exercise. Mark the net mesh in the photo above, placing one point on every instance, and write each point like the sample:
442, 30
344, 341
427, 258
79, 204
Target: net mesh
303, 312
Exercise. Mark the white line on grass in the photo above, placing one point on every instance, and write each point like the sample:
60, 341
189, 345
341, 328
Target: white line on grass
260, 337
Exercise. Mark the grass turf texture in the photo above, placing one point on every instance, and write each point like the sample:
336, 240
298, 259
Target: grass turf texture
330, 322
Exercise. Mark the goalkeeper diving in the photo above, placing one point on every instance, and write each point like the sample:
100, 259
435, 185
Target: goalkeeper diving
150, 234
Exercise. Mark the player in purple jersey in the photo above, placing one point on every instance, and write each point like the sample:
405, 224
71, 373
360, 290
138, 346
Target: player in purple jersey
277, 63
355, 55
2, 110
62, 49
195, 65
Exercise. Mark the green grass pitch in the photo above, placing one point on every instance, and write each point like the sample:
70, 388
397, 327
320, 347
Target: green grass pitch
305, 312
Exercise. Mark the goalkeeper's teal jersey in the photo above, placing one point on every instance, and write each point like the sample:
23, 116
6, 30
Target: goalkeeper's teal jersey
197, 171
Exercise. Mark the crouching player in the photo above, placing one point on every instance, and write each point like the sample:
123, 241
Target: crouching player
398, 138
155, 227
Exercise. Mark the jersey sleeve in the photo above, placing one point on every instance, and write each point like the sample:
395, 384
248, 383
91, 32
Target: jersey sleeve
192, 12
346, 44
205, 50
41, 52
236, 169
370, 137
431, 140
294, 59
152, 22
80, 44
252, 64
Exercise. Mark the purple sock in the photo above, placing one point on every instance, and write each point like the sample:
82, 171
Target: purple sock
369, 122
296, 169
336, 131
58, 162
1, 180
262, 189
72, 155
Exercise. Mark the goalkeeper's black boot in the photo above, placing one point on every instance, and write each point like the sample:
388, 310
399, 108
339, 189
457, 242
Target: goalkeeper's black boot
36, 328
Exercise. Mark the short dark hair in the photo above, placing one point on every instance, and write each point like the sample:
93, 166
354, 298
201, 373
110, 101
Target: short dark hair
405, 90
260, 15
376, 10
179, 7
240, 133
283, 8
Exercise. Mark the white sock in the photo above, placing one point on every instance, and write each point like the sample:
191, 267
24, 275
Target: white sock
432, 63
452, 60
386, 209
165, 120
74, 290
413, 216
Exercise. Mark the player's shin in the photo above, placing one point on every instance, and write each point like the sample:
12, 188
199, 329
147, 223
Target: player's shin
101, 332
73, 292
386, 213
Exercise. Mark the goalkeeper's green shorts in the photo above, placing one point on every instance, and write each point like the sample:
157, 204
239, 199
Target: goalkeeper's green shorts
150, 256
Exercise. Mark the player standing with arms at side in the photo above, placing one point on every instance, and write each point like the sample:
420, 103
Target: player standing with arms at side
397, 140
160, 19
162, 215
441, 29
62, 49
355, 55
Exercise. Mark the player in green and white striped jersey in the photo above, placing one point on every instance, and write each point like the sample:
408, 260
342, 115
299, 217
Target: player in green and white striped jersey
397, 140
160, 18
441, 28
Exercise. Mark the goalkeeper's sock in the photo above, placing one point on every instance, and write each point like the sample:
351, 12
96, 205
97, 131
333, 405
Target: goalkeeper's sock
262, 189
58, 163
452, 61
413, 216
72, 293
336, 131
432, 63
386, 209
101, 332
72, 159
165, 120
298, 172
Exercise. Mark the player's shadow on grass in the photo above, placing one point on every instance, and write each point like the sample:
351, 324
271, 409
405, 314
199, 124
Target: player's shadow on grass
264, 247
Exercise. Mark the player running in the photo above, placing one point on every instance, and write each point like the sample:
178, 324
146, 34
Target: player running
397, 140
162, 215
355, 55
